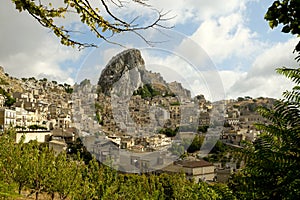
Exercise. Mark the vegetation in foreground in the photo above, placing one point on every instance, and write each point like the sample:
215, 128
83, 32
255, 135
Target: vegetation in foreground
32, 169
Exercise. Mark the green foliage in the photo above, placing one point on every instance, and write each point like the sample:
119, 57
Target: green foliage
7, 191
32, 79
177, 103
35, 168
43, 80
169, 132
223, 192
272, 169
236, 106
3, 82
240, 99
294, 74
202, 129
219, 147
169, 94
78, 149
196, 144
226, 124
147, 91
9, 101
68, 88
286, 13
200, 97
36, 127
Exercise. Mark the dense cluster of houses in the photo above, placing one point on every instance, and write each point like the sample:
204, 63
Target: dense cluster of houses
240, 120
47, 113
42, 112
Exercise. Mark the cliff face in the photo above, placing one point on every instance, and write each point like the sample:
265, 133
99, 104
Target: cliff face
128, 64
182, 93
126, 72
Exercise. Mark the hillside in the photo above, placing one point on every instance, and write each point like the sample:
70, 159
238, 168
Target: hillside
41, 87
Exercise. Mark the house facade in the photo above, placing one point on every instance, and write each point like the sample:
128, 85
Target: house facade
7, 118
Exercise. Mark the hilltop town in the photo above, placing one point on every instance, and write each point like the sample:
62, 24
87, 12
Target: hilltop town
139, 121
41, 109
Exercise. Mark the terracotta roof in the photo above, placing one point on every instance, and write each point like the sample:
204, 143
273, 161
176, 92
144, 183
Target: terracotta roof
173, 168
194, 163
178, 166
62, 133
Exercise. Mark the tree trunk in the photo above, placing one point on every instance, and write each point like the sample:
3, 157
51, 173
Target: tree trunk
20, 188
37, 196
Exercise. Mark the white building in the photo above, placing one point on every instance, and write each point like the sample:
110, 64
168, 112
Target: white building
7, 118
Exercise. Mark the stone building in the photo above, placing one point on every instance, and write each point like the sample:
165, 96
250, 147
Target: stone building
198, 170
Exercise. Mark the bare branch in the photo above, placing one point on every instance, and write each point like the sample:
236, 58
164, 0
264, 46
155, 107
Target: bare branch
142, 2
90, 16
105, 38
113, 16
120, 5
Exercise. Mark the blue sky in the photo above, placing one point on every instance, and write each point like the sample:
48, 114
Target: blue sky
238, 51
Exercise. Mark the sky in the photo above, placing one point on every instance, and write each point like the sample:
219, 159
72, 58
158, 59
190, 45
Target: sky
221, 50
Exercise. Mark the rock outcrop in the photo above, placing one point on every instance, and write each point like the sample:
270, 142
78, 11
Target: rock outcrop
9, 84
182, 93
126, 72
118, 67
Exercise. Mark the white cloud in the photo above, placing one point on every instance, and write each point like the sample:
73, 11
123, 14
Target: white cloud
261, 79
226, 37
179, 12
27, 49
196, 78
198, 10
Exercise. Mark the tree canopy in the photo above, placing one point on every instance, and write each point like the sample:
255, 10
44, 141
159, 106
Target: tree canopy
287, 14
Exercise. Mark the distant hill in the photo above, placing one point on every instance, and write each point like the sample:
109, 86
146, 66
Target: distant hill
9, 83
39, 88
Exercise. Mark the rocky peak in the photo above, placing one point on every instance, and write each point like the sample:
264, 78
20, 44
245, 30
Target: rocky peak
118, 66
126, 72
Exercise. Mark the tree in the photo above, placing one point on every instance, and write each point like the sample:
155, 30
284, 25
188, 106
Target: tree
100, 19
68, 88
196, 144
203, 129
272, 168
169, 132
42, 161
7, 162
287, 13
64, 177
22, 168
